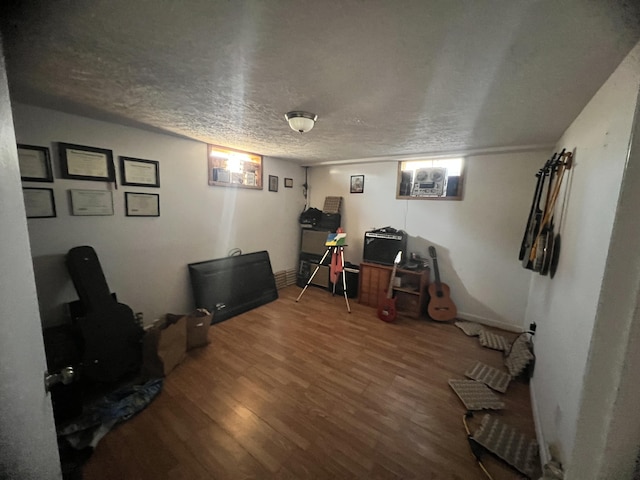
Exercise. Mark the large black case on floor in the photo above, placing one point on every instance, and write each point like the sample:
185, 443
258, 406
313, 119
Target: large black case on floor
110, 336
233, 285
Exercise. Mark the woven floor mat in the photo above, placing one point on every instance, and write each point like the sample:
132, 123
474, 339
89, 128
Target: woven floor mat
519, 356
470, 328
493, 341
492, 377
510, 445
476, 395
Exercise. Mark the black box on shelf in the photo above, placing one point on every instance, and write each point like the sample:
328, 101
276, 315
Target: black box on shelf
382, 245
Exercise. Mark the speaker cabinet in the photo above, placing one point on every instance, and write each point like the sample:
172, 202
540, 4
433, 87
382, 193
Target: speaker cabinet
383, 247
306, 269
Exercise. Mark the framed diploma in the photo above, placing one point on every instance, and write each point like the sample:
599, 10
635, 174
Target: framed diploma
79, 162
39, 202
142, 204
35, 164
138, 172
91, 202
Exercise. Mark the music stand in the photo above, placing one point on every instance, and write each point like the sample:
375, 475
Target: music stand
335, 245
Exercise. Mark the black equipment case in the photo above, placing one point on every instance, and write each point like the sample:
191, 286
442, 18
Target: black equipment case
382, 245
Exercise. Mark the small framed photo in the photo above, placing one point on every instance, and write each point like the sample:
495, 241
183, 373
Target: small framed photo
273, 183
39, 202
91, 202
139, 172
142, 204
35, 164
80, 162
357, 183
288, 183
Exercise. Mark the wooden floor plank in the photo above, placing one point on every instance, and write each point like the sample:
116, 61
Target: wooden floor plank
296, 390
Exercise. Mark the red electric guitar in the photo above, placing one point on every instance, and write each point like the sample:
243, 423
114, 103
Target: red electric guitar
387, 304
441, 308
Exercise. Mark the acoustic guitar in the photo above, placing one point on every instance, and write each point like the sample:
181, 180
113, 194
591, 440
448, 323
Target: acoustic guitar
387, 305
441, 308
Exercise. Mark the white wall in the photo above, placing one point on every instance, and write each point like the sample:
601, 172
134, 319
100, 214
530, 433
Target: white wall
565, 307
477, 239
28, 448
145, 259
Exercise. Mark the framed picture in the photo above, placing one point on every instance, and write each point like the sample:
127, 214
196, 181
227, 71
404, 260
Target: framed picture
39, 202
357, 183
273, 183
79, 162
142, 204
288, 183
35, 164
139, 172
91, 202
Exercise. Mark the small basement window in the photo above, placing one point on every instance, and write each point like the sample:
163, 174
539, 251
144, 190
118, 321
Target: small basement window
436, 179
232, 168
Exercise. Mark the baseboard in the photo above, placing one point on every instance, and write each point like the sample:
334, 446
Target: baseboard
490, 323
545, 455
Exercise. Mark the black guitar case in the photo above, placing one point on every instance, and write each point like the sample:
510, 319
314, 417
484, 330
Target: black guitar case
110, 336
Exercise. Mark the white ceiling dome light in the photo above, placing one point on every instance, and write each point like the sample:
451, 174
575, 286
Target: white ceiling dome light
301, 121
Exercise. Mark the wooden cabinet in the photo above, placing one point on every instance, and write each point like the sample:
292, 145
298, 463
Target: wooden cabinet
410, 288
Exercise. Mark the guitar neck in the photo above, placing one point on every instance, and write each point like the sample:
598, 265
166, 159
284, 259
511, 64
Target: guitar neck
437, 273
393, 275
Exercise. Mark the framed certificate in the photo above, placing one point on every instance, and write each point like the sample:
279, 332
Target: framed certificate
138, 172
39, 202
86, 163
142, 204
273, 183
91, 202
35, 164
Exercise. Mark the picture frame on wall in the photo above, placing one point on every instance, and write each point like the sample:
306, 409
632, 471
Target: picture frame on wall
273, 183
357, 184
288, 183
35, 163
91, 202
80, 162
139, 172
39, 202
139, 204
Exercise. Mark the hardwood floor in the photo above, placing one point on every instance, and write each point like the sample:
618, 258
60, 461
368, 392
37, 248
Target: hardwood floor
306, 390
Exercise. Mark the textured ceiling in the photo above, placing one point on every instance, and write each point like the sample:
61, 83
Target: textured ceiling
386, 78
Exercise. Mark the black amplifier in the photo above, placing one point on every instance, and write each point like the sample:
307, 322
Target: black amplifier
382, 245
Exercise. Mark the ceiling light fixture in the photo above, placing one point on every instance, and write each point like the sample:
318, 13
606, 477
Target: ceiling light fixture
301, 121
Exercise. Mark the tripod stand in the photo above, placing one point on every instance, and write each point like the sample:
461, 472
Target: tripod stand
339, 251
